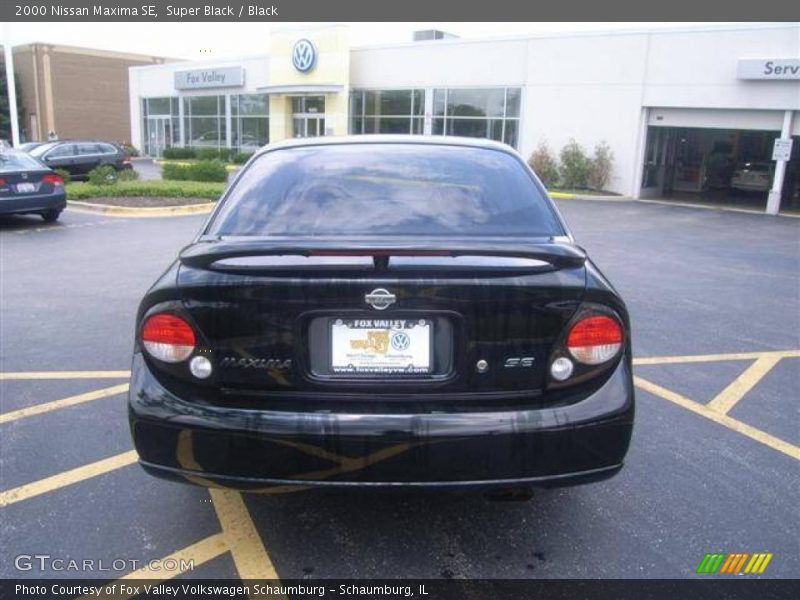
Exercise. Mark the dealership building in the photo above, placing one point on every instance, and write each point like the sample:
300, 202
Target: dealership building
74, 92
688, 113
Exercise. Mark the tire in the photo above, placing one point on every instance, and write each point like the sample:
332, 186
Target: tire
51, 216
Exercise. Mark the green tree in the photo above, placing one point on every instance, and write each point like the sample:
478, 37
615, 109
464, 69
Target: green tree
5, 118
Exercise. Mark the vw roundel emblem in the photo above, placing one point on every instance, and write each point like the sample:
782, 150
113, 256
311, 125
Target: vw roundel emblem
304, 55
401, 341
380, 299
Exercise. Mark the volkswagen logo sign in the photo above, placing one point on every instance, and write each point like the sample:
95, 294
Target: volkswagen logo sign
304, 56
380, 299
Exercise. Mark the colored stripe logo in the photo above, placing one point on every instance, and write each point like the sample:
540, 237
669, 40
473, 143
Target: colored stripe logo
735, 563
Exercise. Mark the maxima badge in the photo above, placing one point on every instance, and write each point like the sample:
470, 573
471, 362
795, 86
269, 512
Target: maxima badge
380, 299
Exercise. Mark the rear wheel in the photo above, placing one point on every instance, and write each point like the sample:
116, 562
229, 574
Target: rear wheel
50, 216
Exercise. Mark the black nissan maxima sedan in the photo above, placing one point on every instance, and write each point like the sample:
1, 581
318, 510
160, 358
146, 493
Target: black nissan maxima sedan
28, 186
383, 312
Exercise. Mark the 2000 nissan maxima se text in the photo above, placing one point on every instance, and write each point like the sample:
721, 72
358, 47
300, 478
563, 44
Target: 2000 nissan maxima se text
383, 311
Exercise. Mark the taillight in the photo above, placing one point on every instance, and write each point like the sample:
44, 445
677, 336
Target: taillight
168, 337
595, 340
53, 179
3, 182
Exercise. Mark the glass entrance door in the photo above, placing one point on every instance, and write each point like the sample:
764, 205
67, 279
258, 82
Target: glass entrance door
305, 125
159, 135
308, 116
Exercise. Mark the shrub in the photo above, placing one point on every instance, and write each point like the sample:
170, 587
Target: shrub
157, 188
130, 149
65, 175
600, 167
207, 170
544, 164
103, 175
127, 175
214, 153
575, 165
176, 153
173, 172
239, 158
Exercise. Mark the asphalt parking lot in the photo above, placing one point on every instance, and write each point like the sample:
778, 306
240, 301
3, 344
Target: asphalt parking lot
713, 465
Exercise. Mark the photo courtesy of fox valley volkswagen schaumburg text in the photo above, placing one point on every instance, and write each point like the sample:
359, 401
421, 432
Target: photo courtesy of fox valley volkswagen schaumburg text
391, 309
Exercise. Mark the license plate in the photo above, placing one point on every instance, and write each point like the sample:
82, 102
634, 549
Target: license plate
381, 346
26, 188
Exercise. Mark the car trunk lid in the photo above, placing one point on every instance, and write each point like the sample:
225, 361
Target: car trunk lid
268, 308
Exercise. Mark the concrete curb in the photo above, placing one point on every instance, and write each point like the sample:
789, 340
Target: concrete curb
150, 211
567, 196
747, 211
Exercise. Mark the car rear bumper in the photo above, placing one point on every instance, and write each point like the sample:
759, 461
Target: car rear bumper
32, 203
272, 452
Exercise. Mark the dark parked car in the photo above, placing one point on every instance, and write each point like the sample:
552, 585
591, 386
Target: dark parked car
81, 156
383, 311
27, 186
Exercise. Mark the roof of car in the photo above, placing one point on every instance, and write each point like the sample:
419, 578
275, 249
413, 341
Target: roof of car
427, 140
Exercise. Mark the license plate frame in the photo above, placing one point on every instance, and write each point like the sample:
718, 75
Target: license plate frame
26, 187
397, 347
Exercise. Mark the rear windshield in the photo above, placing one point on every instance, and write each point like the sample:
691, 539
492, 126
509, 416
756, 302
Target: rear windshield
41, 149
386, 189
17, 161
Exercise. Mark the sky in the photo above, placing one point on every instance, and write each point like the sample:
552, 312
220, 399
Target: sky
223, 40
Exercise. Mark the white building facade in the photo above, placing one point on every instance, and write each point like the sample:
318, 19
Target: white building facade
685, 111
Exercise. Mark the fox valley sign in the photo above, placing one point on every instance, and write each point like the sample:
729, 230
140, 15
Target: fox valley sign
768, 68
209, 78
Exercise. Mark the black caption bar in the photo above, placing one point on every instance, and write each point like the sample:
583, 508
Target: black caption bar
408, 10
400, 589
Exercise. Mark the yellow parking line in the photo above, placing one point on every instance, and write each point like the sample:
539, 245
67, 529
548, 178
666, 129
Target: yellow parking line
696, 358
196, 554
65, 375
54, 482
63, 403
727, 398
723, 419
241, 535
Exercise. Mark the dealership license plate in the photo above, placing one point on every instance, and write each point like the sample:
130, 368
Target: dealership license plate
381, 346
26, 188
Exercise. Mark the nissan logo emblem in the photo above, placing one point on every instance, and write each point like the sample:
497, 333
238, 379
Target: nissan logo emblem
380, 299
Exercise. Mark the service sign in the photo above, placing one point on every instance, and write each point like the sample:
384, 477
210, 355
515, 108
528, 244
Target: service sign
768, 68
198, 79
782, 149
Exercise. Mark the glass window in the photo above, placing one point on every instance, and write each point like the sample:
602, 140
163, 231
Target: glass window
250, 105
203, 105
89, 149
513, 96
386, 190
18, 161
158, 106
511, 134
386, 111
439, 101
62, 150
204, 121
308, 104
481, 112
475, 103
249, 121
